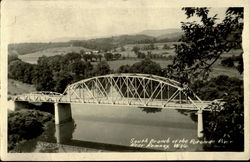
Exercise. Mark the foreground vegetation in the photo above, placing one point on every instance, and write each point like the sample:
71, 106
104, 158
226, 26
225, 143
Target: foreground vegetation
25, 125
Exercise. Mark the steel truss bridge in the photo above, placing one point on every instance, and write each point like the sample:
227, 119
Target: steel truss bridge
125, 89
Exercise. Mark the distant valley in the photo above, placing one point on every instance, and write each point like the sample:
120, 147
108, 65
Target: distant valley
105, 44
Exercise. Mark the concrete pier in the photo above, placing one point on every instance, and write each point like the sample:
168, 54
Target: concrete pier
62, 112
200, 124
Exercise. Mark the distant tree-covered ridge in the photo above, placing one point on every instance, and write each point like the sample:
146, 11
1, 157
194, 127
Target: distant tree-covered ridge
104, 44
25, 48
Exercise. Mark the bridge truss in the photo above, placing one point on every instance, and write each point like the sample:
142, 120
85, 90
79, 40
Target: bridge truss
140, 90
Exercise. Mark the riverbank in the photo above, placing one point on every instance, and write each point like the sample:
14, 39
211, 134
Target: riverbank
25, 125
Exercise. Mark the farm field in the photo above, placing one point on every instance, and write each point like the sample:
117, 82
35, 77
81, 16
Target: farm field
218, 69
159, 45
33, 57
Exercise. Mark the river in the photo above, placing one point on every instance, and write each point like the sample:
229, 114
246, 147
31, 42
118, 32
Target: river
98, 128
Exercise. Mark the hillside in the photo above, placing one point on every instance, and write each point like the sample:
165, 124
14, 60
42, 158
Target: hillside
158, 33
25, 48
107, 43
170, 37
33, 57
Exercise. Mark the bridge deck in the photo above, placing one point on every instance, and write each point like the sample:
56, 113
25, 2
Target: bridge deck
133, 102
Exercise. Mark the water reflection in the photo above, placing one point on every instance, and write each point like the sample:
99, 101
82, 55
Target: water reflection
65, 142
105, 128
191, 113
150, 110
64, 132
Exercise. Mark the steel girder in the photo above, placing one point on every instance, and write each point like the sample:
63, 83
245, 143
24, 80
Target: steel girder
40, 96
125, 89
129, 89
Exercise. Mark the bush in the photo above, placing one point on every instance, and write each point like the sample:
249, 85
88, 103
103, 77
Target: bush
215, 88
25, 125
227, 124
226, 127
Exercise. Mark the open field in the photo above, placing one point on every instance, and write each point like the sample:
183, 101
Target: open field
218, 69
33, 57
159, 45
221, 70
17, 87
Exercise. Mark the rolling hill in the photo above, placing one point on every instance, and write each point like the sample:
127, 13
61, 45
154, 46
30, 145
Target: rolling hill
107, 43
161, 32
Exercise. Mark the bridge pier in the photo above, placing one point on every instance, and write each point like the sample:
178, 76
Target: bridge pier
62, 112
200, 124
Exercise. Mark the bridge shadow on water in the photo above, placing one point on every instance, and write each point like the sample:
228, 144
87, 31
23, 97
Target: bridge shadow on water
41, 106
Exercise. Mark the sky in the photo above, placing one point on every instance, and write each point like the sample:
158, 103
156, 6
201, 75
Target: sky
44, 21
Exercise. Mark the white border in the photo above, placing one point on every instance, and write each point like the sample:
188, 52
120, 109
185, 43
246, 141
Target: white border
132, 156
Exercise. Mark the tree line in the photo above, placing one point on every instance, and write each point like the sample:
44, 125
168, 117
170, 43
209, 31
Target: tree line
54, 73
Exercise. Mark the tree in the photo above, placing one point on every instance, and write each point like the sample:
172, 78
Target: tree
117, 56
217, 87
108, 56
124, 69
78, 67
166, 46
21, 71
12, 57
43, 79
71, 57
101, 68
226, 125
99, 57
136, 49
146, 66
202, 45
151, 46
141, 55
61, 80
204, 42
22, 123
122, 48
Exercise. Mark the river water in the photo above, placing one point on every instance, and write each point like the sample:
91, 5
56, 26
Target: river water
98, 128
